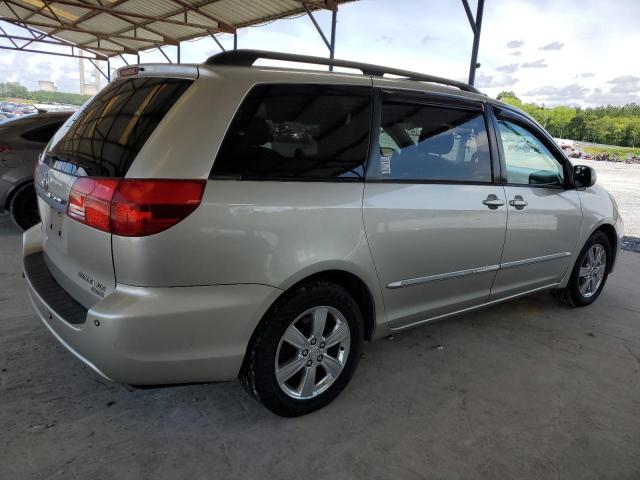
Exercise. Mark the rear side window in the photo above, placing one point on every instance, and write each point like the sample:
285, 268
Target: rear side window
108, 134
42, 134
298, 132
431, 143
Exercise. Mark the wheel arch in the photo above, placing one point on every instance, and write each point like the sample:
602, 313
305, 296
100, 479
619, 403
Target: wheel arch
610, 232
351, 282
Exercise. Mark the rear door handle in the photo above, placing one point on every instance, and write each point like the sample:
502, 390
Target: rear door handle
518, 202
493, 202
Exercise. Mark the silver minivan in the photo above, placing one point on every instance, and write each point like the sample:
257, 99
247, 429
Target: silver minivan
218, 221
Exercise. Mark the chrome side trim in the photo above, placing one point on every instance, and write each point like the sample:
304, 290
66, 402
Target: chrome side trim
442, 276
528, 261
469, 309
474, 271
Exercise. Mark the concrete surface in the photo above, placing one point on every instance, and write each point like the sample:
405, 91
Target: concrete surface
527, 389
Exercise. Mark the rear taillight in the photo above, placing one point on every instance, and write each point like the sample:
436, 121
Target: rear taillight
5, 148
133, 207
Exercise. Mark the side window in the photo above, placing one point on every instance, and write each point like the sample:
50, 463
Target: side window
423, 142
42, 134
528, 161
298, 132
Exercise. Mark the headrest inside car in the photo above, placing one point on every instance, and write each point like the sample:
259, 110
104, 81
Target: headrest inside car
257, 132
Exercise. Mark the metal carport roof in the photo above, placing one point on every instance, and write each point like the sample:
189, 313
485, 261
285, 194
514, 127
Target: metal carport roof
107, 28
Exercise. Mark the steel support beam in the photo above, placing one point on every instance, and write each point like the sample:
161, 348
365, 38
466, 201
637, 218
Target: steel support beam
235, 41
331, 44
99, 69
476, 27
217, 42
163, 54
332, 48
58, 54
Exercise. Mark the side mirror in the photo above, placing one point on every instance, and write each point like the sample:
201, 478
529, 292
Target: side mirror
584, 176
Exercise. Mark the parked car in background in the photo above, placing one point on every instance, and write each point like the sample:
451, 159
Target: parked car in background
300, 213
21, 141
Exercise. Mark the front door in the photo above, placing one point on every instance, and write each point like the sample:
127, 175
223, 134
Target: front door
435, 220
544, 213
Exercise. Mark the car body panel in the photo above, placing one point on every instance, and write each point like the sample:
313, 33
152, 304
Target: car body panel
541, 239
415, 232
147, 336
78, 256
270, 233
181, 305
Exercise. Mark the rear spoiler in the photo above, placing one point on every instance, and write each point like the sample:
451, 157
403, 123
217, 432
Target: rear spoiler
188, 71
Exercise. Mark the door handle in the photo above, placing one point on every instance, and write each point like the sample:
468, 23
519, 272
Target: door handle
518, 202
493, 202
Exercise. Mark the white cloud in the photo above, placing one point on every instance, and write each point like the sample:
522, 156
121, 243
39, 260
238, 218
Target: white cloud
552, 46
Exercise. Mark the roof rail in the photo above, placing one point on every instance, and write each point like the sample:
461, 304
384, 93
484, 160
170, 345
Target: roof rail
247, 58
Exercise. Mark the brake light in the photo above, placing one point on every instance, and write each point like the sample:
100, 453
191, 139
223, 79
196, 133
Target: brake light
133, 207
5, 148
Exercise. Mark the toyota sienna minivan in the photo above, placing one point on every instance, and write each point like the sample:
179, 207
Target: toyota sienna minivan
218, 221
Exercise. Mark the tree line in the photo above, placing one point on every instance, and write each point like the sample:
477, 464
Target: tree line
17, 91
611, 125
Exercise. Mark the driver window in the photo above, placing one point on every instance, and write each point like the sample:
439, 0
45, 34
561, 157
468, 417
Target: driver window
528, 161
423, 142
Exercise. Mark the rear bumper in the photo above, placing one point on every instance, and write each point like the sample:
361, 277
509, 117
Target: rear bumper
151, 336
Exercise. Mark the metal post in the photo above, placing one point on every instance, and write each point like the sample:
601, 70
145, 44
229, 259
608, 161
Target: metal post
235, 41
476, 43
108, 71
138, 58
217, 42
178, 52
332, 48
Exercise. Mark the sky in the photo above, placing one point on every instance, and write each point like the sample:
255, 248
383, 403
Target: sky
573, 52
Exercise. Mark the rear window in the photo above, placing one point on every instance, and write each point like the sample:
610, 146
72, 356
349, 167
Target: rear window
298, 132
108, 134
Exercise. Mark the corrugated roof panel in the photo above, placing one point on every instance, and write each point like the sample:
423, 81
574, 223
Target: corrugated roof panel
153, 8
106, 45
105, 23
177, 31
85, 24
75, 37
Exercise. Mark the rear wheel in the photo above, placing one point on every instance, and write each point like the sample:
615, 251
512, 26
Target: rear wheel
24, 207
305, 351
589, 274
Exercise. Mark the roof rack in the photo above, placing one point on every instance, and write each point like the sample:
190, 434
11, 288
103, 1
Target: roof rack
247, 58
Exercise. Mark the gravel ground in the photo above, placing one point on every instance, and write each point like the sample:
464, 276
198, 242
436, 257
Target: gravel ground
623, 181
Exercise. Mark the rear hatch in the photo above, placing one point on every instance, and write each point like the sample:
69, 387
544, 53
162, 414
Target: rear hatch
81, 169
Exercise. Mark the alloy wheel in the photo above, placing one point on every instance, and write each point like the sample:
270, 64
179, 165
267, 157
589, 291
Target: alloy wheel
312, 352
592, 270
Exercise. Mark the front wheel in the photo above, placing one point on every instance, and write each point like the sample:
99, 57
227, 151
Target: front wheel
589, 274
305, 351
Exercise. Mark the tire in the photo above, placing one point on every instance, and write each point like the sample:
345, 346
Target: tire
24, 207
573, 295
269, 351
